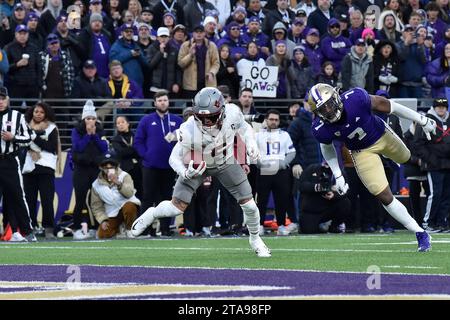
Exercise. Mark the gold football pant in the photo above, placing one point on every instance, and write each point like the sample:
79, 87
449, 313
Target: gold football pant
368, 163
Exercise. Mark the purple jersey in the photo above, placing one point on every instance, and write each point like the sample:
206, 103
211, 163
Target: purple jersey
358, 127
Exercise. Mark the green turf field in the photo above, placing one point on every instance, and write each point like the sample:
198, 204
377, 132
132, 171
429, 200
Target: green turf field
329, 252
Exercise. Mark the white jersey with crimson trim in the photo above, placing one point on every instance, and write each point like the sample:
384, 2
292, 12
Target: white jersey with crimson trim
214, 146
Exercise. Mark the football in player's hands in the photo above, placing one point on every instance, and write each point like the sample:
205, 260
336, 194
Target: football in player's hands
194, 155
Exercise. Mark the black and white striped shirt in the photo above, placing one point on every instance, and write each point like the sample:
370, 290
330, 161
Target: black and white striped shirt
14, 122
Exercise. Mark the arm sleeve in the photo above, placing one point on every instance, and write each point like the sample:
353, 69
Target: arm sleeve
176, 159
407, 113
24, 135
330, 156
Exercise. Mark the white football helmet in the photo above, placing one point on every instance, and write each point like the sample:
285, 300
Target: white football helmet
208, 107
325, 102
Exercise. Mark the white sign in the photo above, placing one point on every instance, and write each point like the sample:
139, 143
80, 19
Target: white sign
262, 80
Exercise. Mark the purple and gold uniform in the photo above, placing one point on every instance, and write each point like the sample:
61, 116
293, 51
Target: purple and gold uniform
366, 136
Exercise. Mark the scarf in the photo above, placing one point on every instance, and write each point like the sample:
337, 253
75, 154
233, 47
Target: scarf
35, 151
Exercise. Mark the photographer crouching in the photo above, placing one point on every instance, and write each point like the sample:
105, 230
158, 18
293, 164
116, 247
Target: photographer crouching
320, 201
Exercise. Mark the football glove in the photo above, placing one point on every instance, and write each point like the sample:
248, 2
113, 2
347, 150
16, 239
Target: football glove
341, 185
253, 151
192, 172
429, 126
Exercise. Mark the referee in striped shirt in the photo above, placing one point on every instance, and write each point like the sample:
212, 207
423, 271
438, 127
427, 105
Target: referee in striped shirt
15, 133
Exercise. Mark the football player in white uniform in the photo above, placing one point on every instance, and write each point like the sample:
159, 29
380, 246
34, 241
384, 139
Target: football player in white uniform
205, 147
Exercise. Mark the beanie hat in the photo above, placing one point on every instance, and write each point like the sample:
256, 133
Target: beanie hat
366, 32
88, 110
95, 17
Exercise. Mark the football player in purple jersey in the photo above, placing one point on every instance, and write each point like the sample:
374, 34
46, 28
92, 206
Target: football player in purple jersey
348, 118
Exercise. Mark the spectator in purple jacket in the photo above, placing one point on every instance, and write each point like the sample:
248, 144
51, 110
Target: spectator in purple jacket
439, 51
437, 73
313, 51
255, 34
234, 41
154, 141
95, 43
434, 22
88, 147
334, 45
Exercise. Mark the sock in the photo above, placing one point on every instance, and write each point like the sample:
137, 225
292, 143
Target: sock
166, 209
399, 212
251, 217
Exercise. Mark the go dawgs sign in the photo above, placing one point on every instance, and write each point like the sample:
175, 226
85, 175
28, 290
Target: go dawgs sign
263, 81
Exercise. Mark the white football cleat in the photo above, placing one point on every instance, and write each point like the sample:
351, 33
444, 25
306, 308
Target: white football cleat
259, 247
143, 222
17, 237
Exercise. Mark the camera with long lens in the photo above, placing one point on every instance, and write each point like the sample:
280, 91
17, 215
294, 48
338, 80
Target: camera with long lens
325, 181
257, 117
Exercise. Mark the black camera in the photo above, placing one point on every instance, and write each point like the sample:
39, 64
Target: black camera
325, 181
257, 117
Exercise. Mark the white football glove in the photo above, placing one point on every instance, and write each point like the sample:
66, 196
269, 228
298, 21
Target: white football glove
429, 126
253, 151
191, 172
341, 185
297, 171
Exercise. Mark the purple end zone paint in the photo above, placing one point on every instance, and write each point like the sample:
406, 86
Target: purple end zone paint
299, 282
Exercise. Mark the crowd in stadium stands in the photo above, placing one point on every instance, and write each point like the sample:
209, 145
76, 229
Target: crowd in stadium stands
170, 49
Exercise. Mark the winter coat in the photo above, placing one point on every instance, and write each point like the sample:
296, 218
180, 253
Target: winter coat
72, 45
306, 146
88, 150
357, 72
107, 199
412, 63
188, 63
159, 10
164, 67
28, 75
318, 20
412, 168
85, 40
192, 14
83, 88
290, 45
303, 79
273, 17
285, 76
334, 49
4, 65
435, 154
436, 76
315, 57
386, 70
67, 72
122, 143
236, 46
132, 66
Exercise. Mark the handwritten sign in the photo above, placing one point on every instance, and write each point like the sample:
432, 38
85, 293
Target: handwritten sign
262, 80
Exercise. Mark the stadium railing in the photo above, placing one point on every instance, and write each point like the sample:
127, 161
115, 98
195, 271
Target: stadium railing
68, 111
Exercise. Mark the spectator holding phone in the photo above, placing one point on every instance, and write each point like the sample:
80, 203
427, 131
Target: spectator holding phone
128, 52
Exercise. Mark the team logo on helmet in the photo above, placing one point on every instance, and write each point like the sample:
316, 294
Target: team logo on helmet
325, 102
208, 107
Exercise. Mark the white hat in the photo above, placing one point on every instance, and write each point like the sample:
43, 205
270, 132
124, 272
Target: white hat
209, 19
89, 110
162, 31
